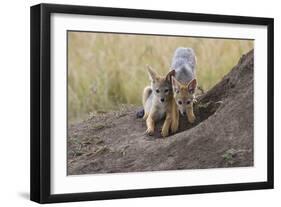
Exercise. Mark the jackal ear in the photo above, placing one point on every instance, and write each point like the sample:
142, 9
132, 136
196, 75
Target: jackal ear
175, 85
152, 74
170, 75
192, 86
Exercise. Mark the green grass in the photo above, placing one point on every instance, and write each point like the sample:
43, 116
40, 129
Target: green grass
106, 70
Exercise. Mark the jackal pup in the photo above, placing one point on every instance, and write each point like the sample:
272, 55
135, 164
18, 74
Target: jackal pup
157, 100
184, 84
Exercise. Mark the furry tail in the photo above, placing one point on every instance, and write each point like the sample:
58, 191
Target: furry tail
146, 93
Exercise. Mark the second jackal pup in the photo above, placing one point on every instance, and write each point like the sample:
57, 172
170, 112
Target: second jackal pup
184, 83
157, 100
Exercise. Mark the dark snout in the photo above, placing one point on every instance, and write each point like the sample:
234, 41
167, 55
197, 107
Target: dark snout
183, 113
162, 100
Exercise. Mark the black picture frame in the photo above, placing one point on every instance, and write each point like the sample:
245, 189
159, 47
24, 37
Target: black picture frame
41, 98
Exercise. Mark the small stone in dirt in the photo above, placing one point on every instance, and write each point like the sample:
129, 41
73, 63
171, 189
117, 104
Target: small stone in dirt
229, 156
100, 142
99, 126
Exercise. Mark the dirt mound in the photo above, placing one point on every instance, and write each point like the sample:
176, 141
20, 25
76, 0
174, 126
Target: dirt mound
221, 137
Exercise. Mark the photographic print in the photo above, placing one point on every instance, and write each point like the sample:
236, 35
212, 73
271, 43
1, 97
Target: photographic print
132, 103
143, 102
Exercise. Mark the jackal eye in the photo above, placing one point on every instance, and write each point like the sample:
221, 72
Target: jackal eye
157, 91
180, 102
188, 102
166, 90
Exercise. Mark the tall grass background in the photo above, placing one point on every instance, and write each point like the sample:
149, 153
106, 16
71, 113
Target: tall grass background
108, 70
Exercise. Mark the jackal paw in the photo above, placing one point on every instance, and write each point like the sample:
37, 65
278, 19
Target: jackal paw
175, 127
165, 132
191, 119
149, 131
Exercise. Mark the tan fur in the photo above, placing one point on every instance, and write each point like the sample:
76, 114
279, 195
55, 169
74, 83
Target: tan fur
190, 115
150, 124
183, 93
168, 120
175, 117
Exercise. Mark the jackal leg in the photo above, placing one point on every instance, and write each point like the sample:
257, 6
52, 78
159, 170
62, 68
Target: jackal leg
175, 118
190, 115
150, 124
166, 125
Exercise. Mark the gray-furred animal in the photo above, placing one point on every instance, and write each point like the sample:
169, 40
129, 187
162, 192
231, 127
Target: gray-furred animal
184, 83
184, 62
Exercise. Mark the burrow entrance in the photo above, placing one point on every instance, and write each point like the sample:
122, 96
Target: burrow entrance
202, 110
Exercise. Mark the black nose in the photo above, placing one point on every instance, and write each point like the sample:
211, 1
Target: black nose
162, 99
184, 113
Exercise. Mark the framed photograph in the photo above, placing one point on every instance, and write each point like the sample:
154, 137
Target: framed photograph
132, 103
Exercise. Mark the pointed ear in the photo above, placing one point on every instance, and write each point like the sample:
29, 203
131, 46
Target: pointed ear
152, 74
170, 75
175, 84
192, 86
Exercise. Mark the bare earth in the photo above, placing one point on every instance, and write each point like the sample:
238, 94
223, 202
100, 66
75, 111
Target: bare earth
221, 137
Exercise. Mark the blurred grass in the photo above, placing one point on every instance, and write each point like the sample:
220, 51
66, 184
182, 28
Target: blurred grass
106, 70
